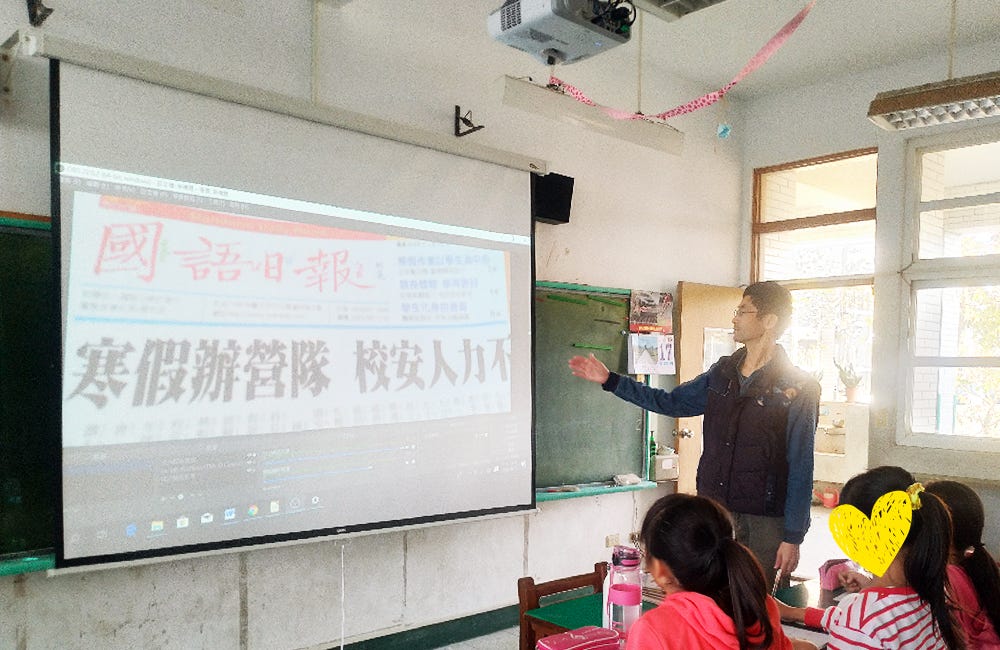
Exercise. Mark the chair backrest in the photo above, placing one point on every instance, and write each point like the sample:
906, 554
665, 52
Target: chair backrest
529, 593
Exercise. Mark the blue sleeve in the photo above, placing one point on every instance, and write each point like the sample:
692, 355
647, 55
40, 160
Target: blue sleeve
687, 400
803, 414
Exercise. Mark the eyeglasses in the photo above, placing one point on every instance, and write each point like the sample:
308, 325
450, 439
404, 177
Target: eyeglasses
740, 312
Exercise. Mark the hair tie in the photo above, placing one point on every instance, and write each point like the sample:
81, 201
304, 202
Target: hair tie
969, 551
724, 543
914, 493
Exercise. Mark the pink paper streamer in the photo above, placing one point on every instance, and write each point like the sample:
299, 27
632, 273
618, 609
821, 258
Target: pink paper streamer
757, 60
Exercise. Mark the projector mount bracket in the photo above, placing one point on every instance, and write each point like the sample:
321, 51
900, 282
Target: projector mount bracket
37, 12
7, 53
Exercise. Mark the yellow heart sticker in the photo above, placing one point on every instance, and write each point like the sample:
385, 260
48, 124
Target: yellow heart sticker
873, 542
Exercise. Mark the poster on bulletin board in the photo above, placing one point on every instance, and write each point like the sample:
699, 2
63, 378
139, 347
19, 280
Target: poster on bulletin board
651, 354
651, 312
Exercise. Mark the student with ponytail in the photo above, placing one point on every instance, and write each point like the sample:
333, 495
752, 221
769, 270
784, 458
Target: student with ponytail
974, 582
905, 607
716, 596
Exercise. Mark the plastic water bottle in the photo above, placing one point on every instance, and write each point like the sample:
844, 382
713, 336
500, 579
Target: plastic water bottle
622, 591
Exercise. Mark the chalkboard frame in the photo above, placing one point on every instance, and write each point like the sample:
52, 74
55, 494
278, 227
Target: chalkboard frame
601, 327
612, 298
29, 473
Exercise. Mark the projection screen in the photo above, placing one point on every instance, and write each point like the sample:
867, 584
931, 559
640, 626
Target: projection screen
276, 329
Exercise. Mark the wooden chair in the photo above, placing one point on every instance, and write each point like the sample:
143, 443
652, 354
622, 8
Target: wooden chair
529, 593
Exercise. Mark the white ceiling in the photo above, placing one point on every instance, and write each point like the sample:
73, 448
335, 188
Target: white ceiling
712, 44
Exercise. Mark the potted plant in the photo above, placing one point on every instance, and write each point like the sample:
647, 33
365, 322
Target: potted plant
849, 378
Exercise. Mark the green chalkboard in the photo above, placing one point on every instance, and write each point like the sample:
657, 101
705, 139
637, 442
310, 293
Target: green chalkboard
582, 434
29, 442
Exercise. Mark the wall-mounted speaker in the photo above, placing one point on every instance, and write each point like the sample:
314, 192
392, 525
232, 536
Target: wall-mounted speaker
551, 197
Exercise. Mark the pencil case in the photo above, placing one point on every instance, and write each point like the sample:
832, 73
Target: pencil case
829, 573
584, 638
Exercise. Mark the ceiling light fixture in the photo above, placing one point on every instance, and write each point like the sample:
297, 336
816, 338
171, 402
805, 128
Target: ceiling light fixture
671, 10
941, 102
544, 101
954, 100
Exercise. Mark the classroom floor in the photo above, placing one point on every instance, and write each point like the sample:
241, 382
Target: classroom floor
817, 548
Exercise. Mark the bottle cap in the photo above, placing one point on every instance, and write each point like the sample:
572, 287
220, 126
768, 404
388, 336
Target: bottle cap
625, 556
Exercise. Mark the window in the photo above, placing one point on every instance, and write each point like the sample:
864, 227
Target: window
814, 231
951, 354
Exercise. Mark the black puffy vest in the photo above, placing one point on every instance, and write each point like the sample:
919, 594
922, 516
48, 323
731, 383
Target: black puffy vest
744, 463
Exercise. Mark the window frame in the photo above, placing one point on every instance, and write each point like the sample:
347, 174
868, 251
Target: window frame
759, 227
918, 274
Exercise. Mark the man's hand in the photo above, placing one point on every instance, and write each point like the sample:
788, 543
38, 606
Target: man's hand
591, 369
787, 559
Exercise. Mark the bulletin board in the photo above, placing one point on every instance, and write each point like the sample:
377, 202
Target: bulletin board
582, 434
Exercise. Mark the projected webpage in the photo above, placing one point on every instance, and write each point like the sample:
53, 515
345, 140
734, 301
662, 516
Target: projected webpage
241, 366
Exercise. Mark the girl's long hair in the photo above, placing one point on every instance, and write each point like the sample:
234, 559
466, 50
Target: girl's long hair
927, 545
967, 518
694, 536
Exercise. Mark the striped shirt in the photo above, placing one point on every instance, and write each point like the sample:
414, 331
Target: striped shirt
880, 618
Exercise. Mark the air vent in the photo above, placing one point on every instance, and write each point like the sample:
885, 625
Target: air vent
539, 37
510, 15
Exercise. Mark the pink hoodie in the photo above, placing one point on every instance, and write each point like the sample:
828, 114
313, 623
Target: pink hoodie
979, 632
691, 621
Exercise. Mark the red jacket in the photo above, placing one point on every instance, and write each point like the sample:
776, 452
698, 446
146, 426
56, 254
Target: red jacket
691, 621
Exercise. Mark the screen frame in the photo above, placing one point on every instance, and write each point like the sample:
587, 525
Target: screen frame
315, 535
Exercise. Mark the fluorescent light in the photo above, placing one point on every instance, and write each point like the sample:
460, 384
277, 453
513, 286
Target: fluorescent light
671, 10
954, 100
555, 105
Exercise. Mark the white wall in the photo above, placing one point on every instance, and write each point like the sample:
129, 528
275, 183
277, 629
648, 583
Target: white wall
641, 219
830, 117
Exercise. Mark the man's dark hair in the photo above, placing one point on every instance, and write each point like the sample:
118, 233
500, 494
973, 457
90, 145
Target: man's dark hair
771, 298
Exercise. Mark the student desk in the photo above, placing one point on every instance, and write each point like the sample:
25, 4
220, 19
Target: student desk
579, 612
570, 614
807, 594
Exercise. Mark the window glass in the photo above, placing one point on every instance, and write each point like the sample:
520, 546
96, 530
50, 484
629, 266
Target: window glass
954, 347
965, 171
822, 188
963, 401
829, 267
826, 251
832, 327
958, 322
960, 232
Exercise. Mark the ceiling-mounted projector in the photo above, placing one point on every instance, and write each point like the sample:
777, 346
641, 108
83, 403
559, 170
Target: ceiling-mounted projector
562, 31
